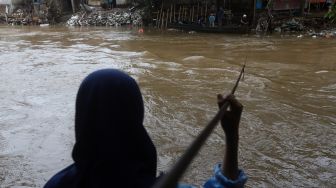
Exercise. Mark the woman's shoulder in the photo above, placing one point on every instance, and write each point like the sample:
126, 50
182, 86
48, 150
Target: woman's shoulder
181, 185
63, 179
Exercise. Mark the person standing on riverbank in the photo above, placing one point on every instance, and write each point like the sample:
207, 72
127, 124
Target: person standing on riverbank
212, 19
113, 148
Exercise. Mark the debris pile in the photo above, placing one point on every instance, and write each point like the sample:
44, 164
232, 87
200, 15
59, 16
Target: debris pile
115, 17
323, 34
307, 27
25, 17
315, 27
292, 25
19, 17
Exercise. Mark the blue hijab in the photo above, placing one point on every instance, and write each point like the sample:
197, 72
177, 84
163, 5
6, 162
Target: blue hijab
112, 147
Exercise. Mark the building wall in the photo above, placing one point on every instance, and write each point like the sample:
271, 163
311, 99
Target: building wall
94, 2
5, 2
122, 2
286, 4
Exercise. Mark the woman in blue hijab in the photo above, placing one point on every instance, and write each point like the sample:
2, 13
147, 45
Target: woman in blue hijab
112, 147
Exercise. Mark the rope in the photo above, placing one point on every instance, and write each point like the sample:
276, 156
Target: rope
170, 180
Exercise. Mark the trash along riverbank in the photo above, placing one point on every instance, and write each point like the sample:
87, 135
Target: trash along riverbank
95, 16
114, 17
302, 26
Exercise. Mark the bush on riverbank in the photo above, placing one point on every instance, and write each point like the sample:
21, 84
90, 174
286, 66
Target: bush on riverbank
331, 15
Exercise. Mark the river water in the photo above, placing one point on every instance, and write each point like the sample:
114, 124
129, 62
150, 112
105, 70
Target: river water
288, 127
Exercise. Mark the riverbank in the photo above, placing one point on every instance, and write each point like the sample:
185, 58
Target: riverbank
313, 26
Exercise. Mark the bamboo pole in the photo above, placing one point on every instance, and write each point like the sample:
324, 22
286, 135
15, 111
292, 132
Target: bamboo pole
182, 14
163, 19
171, 12
193, 12
160, 21
254, 11
182, 17
73, 4
197, 10
190, 11
174, 12
179, 15
205, 13
157, 19
309, 7
185, 14
167, 18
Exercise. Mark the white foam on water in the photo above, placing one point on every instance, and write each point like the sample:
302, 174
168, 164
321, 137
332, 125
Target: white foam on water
115, 46
81, 46
78, 39
167, 64
322, 71
194, 58
146, 65
189, 72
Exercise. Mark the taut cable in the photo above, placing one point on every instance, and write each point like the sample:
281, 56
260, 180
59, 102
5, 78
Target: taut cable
170, 179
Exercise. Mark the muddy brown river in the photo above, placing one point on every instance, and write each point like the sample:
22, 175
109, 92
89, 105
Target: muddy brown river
288, 127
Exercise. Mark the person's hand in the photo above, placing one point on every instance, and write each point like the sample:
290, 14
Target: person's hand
230, 125
231, 118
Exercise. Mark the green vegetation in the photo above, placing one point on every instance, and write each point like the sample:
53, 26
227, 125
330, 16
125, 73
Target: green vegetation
331, 15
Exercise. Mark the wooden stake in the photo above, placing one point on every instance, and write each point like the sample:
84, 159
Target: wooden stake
167, 18
197, 11
73, 4
179, 15
162, 19
190, 11
193, 12
254, 11
171, 12
182, 17
205, 13
157, 19
182, 14
174, 13
160, 22
185, 14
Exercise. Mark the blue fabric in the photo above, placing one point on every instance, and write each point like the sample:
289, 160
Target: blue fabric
212, 18
220, 181
112, 146
259, 4
65, 178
